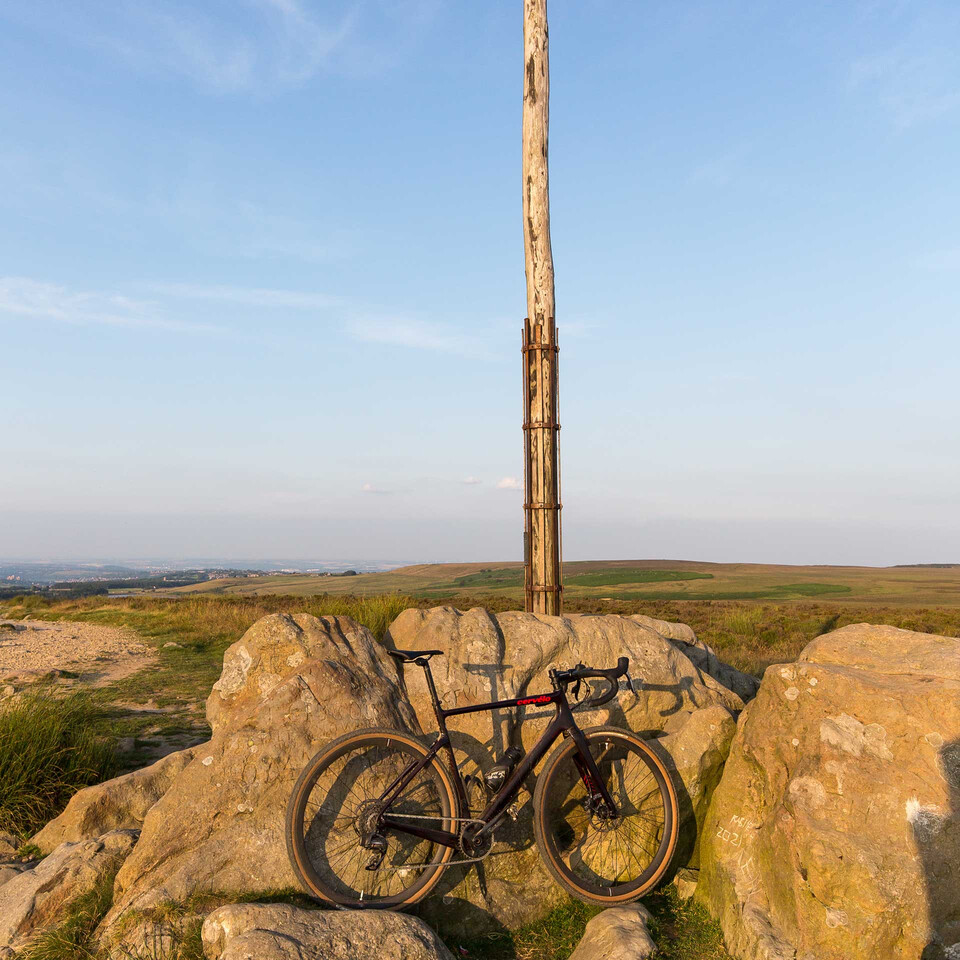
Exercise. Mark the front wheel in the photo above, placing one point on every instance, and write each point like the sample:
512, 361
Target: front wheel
601, 859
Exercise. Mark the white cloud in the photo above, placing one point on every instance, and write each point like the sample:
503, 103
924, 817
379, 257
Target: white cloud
470, 481
24, 297
509, 483
371, 488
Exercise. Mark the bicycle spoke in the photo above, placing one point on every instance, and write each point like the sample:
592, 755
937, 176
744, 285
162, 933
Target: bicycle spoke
597, 854
341, 805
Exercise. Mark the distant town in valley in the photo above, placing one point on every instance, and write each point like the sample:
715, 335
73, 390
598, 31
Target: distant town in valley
100, 577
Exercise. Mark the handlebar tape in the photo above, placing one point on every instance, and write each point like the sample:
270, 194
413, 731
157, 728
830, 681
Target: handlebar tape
611, 676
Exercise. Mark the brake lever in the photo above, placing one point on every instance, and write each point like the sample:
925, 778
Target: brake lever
576, 689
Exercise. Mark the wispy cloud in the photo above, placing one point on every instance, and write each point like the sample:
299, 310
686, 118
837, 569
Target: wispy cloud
248, 46
171, 304
418, 334
249, 296
470, 481
360, 322
508, 483
271, 42
720, 170
918, 79
23, 297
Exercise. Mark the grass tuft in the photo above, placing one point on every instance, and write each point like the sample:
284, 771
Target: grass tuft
48, 750
683, 929
74, 937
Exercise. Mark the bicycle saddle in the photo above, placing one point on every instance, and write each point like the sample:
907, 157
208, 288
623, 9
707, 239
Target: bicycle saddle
408, 656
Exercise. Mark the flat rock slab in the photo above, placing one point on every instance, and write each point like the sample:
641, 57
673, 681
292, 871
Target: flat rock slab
258, 931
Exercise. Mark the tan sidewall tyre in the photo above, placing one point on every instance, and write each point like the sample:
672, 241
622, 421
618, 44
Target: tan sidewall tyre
298, 859
671, 808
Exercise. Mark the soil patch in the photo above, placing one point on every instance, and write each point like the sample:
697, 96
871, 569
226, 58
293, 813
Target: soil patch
89, 653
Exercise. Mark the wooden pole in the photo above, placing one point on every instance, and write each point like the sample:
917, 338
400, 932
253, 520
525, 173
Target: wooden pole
541, 441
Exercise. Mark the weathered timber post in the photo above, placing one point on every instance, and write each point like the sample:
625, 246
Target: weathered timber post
542, 579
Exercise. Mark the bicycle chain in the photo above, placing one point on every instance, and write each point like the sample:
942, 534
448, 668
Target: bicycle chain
437, 863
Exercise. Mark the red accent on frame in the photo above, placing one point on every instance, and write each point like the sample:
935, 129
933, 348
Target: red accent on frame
544, 698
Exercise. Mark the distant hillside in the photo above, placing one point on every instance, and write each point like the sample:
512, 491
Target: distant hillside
626, 580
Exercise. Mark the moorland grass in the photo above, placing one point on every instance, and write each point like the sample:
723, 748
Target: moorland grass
50, 747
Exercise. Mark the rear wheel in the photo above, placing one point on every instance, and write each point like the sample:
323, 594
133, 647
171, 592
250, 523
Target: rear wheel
602, 859
332, 811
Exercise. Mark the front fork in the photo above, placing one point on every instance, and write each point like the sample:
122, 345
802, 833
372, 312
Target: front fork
599, 798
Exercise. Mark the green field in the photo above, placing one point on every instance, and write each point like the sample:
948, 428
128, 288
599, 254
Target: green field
631, 580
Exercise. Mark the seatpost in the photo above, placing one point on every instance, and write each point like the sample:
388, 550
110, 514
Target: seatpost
432, 687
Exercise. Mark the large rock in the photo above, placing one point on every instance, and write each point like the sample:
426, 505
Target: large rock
292, 684
289, 685
121, 803
36, 898
508, 655
695, 748
835, 831
702, 656
257, 931
619, 933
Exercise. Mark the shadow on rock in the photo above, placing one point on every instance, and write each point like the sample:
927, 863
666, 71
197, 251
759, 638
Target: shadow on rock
937, 836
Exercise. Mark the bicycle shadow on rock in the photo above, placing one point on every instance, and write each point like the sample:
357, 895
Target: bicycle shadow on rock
937, 838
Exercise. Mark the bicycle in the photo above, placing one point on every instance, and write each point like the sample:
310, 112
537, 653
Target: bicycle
386, 817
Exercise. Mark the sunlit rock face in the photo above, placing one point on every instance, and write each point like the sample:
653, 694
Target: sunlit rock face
292, 684
835, 831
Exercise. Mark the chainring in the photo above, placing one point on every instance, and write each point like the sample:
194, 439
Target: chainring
473, 842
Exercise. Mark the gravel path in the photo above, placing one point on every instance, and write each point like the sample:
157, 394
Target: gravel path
30, 649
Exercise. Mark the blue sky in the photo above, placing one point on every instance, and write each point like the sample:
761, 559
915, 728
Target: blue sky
261, 278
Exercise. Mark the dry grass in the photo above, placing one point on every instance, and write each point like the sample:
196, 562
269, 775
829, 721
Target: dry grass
49, 748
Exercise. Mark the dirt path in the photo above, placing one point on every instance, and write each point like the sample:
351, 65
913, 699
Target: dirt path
31, 649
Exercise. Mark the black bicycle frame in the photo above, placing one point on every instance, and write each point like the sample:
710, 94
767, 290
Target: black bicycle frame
562, 724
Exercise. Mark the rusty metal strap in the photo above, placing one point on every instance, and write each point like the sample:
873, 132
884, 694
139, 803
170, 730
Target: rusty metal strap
555, 589
531, 347
543, 506
541, 424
